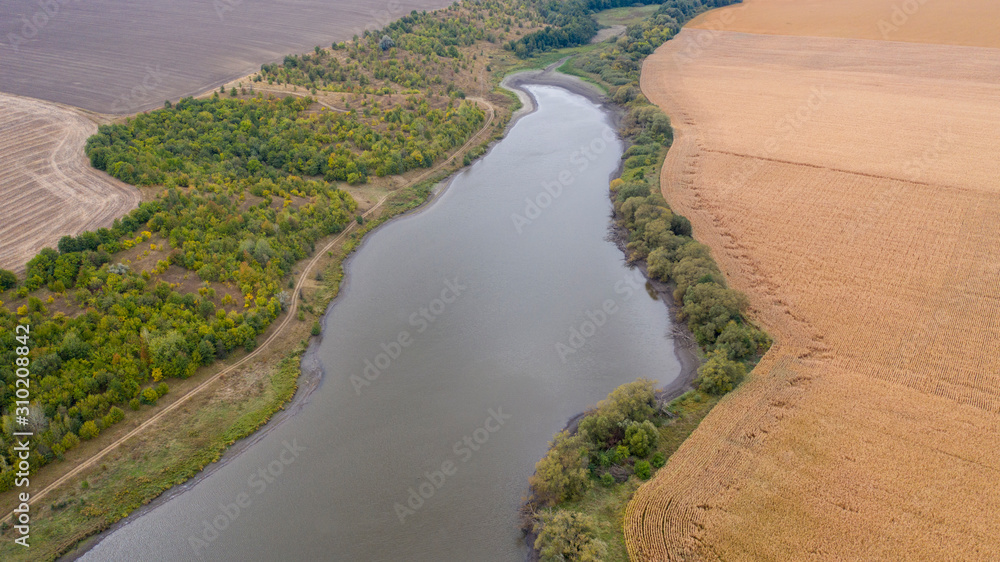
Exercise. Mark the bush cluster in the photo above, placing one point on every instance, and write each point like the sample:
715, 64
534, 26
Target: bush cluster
612, 437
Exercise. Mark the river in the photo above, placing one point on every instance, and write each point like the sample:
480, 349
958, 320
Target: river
466, 335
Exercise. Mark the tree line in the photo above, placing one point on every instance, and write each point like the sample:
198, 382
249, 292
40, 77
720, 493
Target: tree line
571, 23
616, 442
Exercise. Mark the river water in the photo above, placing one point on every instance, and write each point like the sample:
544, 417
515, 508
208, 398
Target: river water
466, 336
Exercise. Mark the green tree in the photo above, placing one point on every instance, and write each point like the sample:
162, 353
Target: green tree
70, 440
7, 280
169, 352
88, 431
114, 415
641, 438
719, 374
658, 460
630, 402
709, 308
642, 470
73, 347
741, 342
149, 396
562, 475
569, 535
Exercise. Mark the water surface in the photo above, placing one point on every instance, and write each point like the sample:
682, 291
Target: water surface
510, 326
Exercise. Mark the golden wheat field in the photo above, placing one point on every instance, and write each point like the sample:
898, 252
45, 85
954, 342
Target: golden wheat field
950, 22
851, 188
47, 187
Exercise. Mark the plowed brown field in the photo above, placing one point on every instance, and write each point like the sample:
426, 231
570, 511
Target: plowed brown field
852, 189
47, 187
121, 57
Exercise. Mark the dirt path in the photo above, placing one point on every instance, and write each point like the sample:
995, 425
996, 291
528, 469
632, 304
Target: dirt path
301, 95
47, 187
277, 332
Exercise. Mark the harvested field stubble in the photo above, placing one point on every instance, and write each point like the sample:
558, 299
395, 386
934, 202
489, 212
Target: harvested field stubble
865, 238
47, 187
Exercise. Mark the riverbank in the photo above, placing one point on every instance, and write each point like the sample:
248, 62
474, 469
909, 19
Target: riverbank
654, 239
685, 348
329, 283
285, 396
474, 358
223, 393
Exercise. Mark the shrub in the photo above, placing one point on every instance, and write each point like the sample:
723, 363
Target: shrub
316, 330
162, 389
632, 189
603, 459
69, 441
621, 454
134, 403
719, 374
659, 264
658, 460
741, 341
607, 479
149, 396
641, 438
680, 225
562, 475
634, 401
642, 470
88, 431
569, 535
114, 415
7, 279
709, 308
